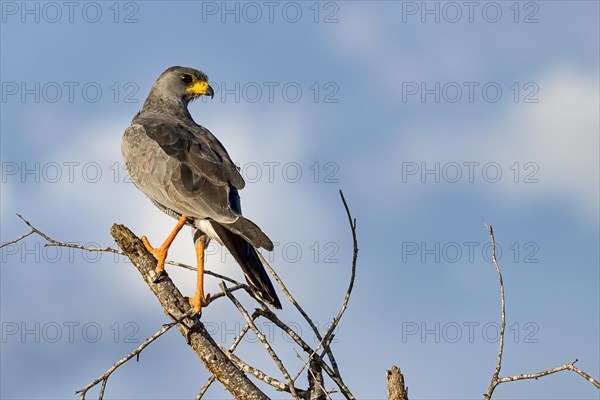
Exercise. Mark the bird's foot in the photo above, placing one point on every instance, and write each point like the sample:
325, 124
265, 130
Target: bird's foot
160, 253
198, 301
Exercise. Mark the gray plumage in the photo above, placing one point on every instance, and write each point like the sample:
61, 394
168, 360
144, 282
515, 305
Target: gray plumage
185, 170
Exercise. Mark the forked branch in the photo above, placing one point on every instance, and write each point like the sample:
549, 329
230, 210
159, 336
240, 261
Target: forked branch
496, 380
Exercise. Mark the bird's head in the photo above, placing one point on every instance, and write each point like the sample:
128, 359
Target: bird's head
184, 83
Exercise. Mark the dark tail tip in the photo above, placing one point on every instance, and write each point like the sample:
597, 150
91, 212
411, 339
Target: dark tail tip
254, 271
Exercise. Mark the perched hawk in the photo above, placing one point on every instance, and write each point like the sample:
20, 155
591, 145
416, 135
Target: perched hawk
186, 172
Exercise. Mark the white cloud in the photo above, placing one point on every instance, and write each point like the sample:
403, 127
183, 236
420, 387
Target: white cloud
555, 141
393, 53
562, 135
559, 137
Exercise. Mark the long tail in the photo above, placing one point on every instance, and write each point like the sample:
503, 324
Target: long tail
245, 254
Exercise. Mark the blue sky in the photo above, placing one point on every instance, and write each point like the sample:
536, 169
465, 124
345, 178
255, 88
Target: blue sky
433, 118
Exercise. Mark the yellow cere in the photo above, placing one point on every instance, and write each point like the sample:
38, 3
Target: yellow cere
199, 87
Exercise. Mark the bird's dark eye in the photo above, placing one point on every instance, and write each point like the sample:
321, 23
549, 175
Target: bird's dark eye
186, 78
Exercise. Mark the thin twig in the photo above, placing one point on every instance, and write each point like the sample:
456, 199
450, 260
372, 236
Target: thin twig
17, 239
329, 334
289, 296
503, 305
262, 338
301, 311
55, 243
215, 296
570, 367
104, 377
52, 242
211, 379
277, 384
326, 340
206, 271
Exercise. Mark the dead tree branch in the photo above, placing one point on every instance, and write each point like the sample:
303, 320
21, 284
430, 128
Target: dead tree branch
175, 305
503, 307
300, 309
566, 367
262, 338
51, 242
302, 343
329, 334
231, 349
277, 384
324, 340
496, 380
395, 384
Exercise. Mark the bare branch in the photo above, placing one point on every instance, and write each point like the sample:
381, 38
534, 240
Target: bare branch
262, 338
211, 379
233, 346
329, 334
326, 339
277, 384
215, 296
55, 243
104, 377
17, 239
280, 386
395, 384
52, 242
572, 367
503, 305
569, 367
235, 343
496, 380
206, 271
301, 311
289, 296
335, 377
175, 305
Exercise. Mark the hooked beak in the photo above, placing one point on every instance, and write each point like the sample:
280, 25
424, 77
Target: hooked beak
201, 88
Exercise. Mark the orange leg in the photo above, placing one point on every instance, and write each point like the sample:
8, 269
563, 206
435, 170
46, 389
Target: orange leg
198, 301
160, 253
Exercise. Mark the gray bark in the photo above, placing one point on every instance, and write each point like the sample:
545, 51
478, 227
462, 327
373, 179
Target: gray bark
175, 305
